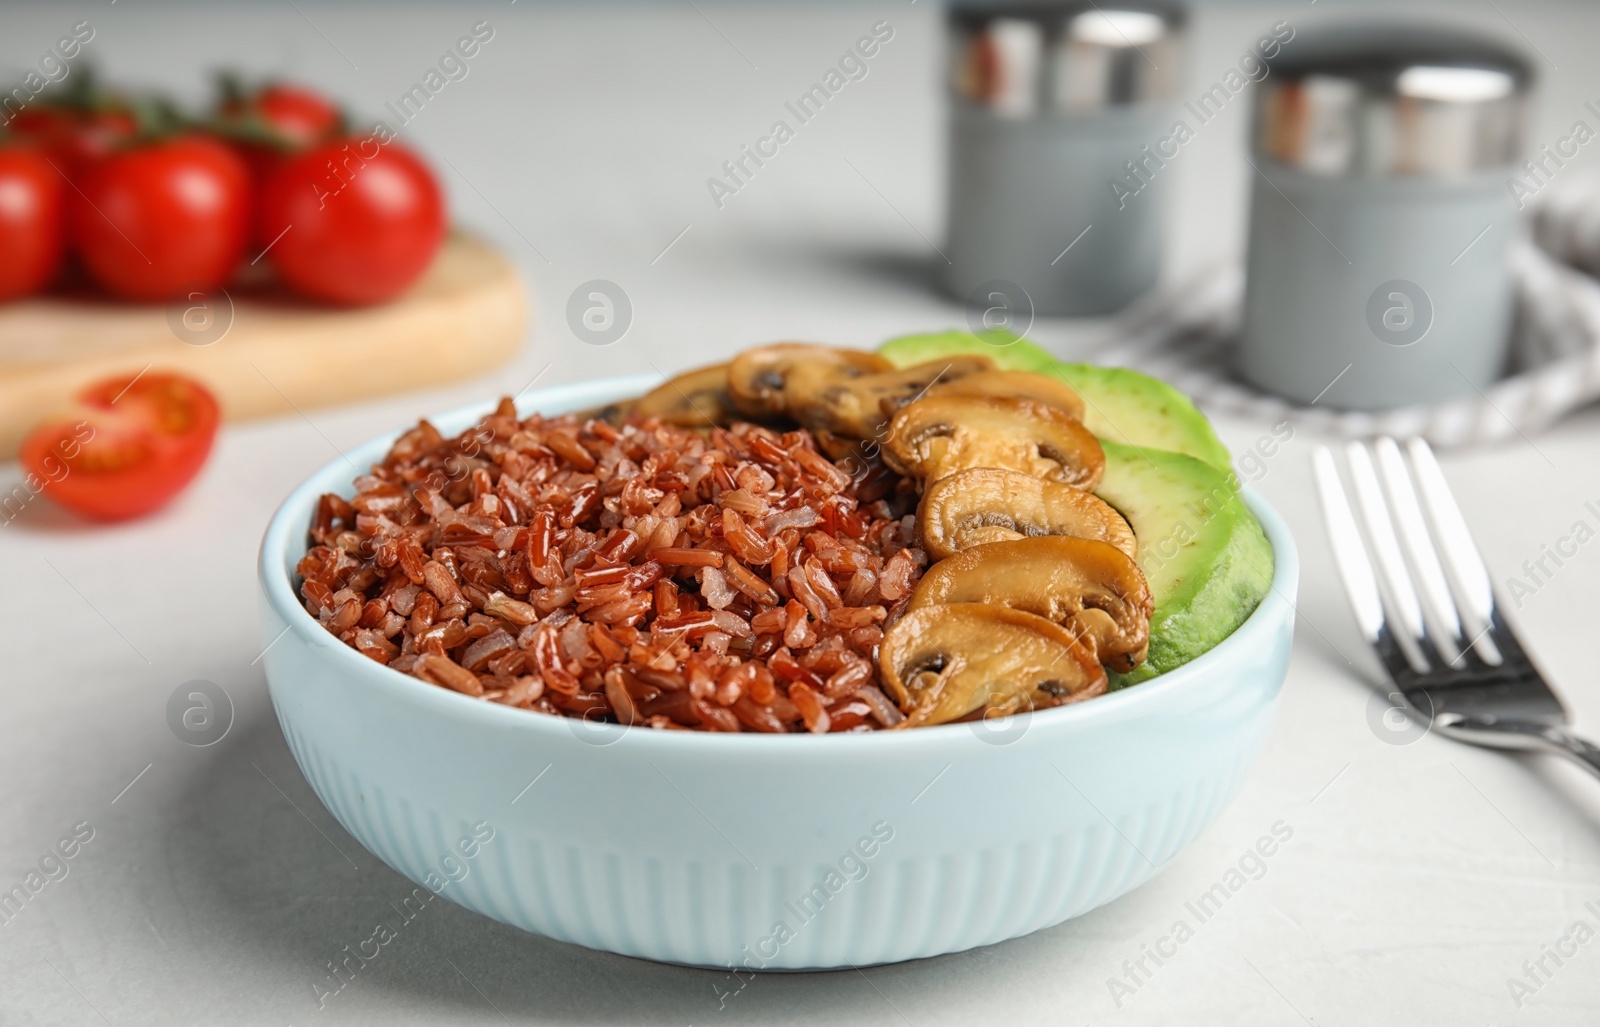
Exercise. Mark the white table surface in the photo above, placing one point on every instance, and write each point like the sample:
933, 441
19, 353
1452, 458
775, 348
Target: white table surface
1419, 878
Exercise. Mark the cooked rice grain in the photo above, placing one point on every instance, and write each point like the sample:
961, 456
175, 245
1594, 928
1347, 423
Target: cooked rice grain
643, 574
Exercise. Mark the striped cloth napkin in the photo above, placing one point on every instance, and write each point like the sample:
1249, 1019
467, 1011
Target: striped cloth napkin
1554, 366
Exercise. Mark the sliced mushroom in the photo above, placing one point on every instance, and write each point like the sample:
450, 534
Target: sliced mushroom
1021, 384
756, 378
822, 398
694, 399
939, 435
986, 504
1091, 588
941, 663
837, 447
612, 413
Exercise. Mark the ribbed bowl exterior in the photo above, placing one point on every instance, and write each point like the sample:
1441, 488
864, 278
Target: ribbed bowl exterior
767, 853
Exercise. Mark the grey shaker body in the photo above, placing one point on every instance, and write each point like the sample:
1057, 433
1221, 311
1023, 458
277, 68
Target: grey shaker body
1050, 102
1324, 321
1380, 219
1031, 203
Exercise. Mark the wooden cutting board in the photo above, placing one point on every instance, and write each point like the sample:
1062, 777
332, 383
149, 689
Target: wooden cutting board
467, 314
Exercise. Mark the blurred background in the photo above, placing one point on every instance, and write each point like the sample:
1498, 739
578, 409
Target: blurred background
582, 140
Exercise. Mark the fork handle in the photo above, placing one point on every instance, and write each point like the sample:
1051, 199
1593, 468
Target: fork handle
1522, 734
1579, 750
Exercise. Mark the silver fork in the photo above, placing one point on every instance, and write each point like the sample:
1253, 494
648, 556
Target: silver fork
1430, 610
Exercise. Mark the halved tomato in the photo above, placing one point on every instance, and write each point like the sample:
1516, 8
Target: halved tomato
131, 444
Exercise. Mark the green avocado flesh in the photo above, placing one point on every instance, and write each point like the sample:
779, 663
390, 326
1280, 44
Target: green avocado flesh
1122, 405
1200, 547
1008, 351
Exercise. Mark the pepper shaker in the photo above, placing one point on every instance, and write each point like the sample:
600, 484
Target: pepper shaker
1050, 104
1380, 216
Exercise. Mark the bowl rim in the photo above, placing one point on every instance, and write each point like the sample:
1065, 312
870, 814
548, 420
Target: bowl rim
289, 522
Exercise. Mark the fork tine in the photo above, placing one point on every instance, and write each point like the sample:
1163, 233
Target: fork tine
1367, 601
1455, 546
1435, 591
1455, 541
1349, 553
1502, 702
1380, 529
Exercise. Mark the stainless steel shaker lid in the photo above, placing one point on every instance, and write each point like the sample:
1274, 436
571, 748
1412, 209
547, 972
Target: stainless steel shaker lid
1381, 100
1070, 57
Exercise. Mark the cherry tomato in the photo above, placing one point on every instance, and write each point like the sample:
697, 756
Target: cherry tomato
293, 115
355, 221
41, 120
270, 125
32, 197
132, 443
74, 138
161, 216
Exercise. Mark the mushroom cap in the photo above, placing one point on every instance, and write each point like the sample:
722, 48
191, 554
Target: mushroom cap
1021, 384
611, 413
694, 399
941, 663
837, 447
823, 398
1091, 588
988, 504
939, 435
757, 378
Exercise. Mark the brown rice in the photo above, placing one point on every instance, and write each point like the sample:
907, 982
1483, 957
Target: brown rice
643, 574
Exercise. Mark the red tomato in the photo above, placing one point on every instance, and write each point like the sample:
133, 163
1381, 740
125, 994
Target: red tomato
268, 126
74, 138
359, 221
42, 121
293, 114
133, 443
159, 217
31, 221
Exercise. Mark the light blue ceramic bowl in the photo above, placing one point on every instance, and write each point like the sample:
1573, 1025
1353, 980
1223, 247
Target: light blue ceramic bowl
770, 852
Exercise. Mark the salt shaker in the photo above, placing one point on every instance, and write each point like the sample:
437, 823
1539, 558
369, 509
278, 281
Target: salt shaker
1380, 215
1051, 103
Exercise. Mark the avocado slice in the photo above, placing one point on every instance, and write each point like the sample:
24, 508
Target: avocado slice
1201, 549
1123, 405
1009, 352
1135, 409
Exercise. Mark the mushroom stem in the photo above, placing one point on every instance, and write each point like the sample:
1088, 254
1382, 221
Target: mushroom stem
694, 399
1091, 588
940, 435
941, 663
822, 398
758, 378
987, 504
